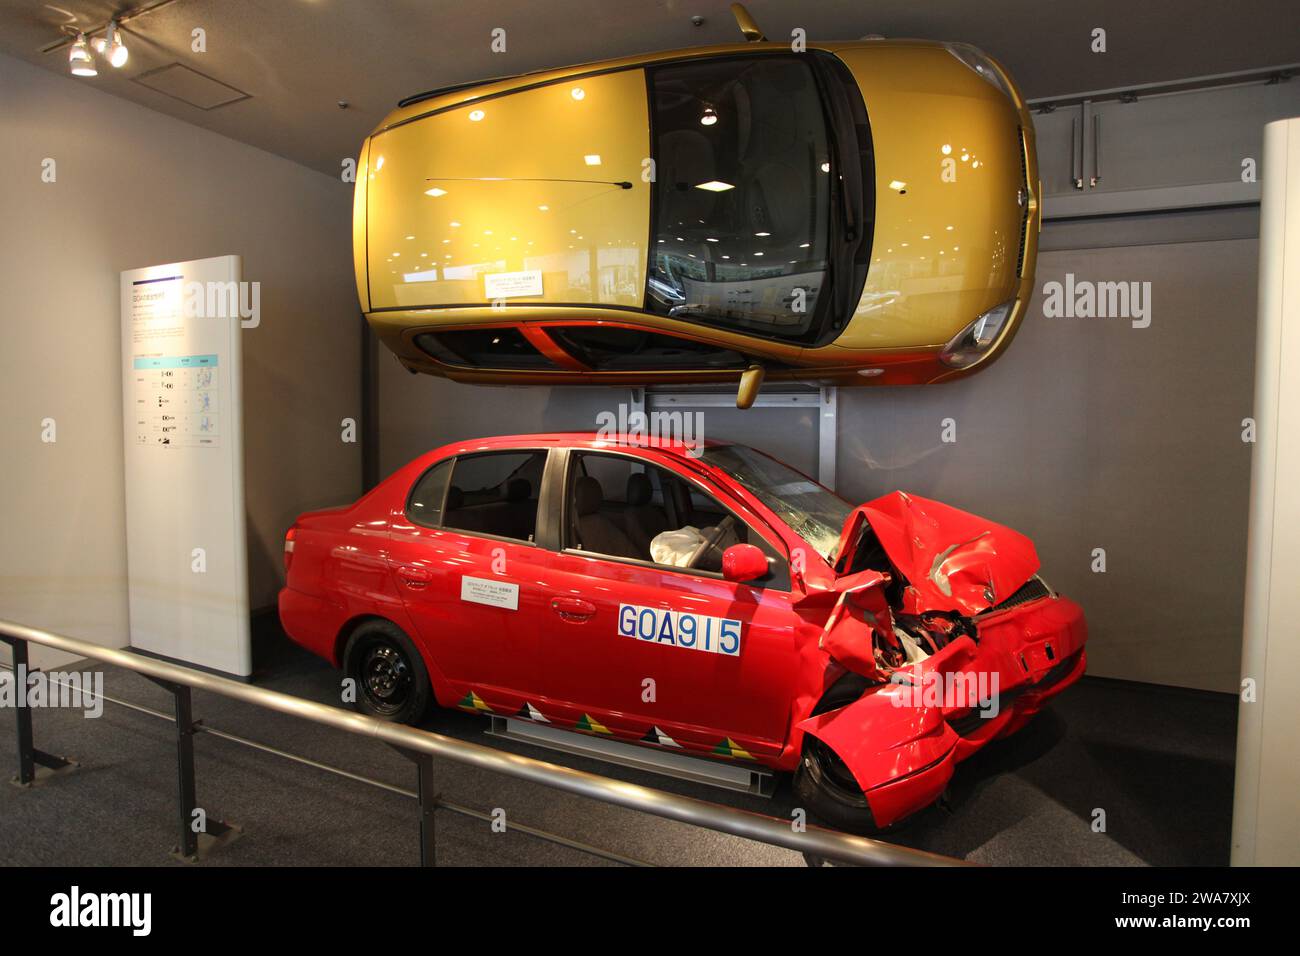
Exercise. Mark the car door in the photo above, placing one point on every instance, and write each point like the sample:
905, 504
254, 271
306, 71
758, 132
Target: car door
465, 556
657, 653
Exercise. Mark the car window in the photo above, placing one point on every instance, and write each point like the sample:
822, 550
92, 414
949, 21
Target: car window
613, 349
495, 493
483, 348
814, 513
425, 504
742, 194
620, 507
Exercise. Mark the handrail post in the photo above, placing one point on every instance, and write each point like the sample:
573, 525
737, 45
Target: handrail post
188, 847
213, 833
22, 715
428, 797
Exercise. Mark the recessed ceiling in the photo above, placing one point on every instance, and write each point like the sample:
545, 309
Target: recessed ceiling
298, 58
190, 87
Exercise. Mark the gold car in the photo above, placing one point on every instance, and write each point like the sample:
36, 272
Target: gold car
850, 213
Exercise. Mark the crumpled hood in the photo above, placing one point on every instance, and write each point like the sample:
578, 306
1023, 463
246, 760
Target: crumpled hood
952, 560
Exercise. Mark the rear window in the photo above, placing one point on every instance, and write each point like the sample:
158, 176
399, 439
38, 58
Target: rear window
613, 349
483, 348
495, 493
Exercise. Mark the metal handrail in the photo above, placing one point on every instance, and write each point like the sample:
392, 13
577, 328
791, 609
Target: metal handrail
813, 841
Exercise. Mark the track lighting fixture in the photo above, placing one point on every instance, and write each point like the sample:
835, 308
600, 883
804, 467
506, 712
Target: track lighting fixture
80, 62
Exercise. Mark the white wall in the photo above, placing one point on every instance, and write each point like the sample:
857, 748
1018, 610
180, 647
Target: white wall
135, 188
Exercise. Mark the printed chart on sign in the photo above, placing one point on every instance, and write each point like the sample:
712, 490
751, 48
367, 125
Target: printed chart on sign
175, 400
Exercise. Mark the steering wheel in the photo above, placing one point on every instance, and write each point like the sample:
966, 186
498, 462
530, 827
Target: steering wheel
723, 526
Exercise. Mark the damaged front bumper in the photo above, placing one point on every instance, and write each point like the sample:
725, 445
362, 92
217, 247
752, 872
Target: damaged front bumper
902, 739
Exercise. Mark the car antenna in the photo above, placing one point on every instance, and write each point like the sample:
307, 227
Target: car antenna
523, 179
746, 23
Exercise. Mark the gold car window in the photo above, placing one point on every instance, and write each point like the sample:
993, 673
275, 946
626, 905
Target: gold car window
529, 197
742, 198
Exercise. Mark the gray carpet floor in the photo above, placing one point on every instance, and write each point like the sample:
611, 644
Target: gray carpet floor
1157, 761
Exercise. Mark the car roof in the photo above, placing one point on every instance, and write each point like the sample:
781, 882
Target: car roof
594, 440
457, 94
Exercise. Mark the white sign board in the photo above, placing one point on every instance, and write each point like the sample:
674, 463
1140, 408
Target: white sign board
489, 592
182, 415
506, 285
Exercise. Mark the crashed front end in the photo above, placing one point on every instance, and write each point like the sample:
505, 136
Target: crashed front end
959, 639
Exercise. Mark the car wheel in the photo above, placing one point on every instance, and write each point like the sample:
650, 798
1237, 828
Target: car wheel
825, 787
823, 784
391, 680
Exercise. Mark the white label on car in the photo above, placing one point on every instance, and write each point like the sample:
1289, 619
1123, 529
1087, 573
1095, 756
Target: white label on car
695, 632
506, 285
486, 591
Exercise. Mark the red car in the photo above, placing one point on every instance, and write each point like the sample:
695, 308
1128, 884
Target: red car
707, 599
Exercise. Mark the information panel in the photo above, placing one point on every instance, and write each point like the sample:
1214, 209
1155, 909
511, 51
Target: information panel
185, 530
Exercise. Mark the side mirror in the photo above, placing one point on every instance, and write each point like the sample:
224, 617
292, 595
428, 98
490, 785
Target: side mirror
743, 562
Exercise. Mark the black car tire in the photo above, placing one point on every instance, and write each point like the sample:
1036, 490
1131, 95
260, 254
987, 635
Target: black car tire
823, 784
392, 682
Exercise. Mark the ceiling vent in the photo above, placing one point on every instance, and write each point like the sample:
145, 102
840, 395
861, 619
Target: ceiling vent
190, 86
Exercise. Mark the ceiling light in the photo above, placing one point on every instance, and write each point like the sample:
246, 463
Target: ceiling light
946, 148
577, 92
80, 61
711, 240
762, 234
544, 208
897, 185
826, 167
476, 115
435, 192
112, 45
714, 186
592, 159
709, 117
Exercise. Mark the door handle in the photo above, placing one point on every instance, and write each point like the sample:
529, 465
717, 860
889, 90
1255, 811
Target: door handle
573, 609
413, 576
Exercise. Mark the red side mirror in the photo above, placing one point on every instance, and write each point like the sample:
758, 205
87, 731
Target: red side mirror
743, 562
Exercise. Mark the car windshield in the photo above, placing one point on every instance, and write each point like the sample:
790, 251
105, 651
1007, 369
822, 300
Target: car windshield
742, 194
814, 513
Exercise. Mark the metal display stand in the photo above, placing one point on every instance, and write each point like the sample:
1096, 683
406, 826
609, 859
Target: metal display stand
824, 398
758, 781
